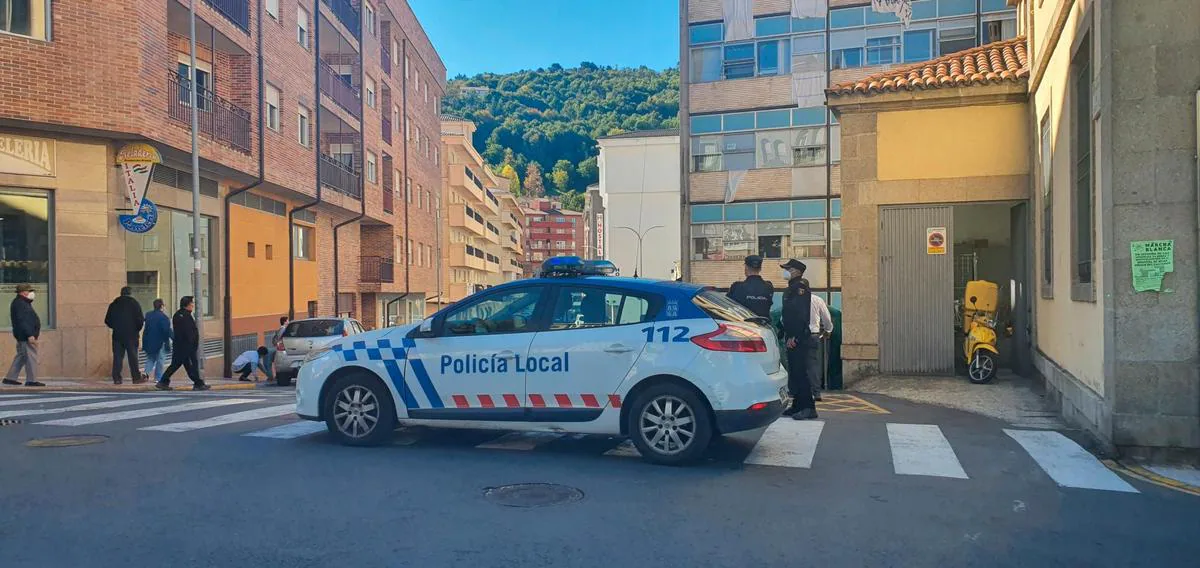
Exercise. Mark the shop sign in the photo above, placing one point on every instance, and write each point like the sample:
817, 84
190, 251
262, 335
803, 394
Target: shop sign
22, 155
137, 163
935, 240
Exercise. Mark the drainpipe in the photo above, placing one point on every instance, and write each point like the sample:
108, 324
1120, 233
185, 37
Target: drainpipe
316, 141
685, 145
228, 316
362, 176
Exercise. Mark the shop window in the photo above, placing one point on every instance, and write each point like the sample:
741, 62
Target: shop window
166, 272
25, 243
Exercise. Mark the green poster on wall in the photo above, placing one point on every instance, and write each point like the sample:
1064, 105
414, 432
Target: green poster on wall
1151, 261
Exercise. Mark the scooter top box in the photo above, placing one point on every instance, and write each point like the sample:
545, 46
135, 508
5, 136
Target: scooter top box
986, 295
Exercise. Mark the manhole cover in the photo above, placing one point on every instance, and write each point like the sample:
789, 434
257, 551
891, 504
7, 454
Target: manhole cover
9, 422
64, 441
532, 494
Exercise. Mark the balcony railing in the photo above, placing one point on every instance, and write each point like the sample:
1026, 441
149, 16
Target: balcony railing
339, 177
376, 269
340, 90
347, 14
238, 11
387, 130
220, 119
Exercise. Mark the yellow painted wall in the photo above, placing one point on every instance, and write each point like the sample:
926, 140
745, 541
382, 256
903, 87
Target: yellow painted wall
983, 140
259, 287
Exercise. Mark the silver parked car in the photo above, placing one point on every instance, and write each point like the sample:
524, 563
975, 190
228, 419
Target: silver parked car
305, 335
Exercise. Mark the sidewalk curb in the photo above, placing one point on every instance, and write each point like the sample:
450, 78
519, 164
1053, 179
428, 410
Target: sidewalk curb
149, 387
1148, 476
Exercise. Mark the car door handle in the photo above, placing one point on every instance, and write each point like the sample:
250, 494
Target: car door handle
617, 348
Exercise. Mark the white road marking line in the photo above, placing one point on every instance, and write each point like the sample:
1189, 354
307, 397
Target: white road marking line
146, 412
83, 407
625, 449
921, 449
244, 416
46, 400
6, 396
1066, 463
520, 441
289, 431
788, 443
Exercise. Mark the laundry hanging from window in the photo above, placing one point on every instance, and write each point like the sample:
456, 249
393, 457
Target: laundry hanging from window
739, 19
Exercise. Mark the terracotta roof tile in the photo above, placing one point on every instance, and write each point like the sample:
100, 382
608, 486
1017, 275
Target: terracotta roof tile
996, 62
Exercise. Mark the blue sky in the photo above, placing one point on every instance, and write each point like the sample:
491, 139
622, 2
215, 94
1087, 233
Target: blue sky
500, 36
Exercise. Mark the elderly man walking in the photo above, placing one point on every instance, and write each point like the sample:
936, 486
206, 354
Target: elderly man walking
26, 328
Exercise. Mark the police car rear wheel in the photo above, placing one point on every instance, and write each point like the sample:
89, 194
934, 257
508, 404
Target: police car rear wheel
670, 425
359, 411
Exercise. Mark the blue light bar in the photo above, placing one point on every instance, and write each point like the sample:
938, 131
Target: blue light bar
562, 266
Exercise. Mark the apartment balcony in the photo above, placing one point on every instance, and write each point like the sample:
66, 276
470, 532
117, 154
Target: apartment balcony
510, 219
511, 242
347, 14
341, 91
340, 177
490, 202
467, 256
491, 263
386, 128
512, 266
466, 184
220, 119
464, 217
377, 270
236, 11
493, 234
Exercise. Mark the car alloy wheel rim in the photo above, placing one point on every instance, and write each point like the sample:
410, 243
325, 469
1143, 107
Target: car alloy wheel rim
356, 411
981, 367
668, 425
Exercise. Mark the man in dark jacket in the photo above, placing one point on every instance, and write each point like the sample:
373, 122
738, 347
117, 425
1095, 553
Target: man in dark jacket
125, 319
26, 328
797, 333
754, 292
187, 341
156, 340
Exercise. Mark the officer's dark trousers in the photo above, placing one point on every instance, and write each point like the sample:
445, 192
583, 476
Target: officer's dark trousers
798, 385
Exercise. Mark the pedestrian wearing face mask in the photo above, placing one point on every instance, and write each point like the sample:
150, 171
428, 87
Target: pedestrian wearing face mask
26, 328
797, 334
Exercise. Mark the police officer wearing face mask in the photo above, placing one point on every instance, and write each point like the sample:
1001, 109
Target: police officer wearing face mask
754, 292
797, 314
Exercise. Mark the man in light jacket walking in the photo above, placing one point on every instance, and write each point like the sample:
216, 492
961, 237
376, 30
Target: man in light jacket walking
26, 328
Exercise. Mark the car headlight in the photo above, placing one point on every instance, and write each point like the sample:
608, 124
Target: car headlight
317, 354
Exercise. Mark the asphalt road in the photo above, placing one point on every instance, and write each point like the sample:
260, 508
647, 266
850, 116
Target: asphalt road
216, 497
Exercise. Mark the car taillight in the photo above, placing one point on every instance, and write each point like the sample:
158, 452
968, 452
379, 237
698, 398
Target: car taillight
731, 338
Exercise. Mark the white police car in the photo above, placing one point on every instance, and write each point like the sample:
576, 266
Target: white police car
669, 364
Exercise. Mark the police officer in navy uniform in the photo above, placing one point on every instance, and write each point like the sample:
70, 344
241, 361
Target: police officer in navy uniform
797, 314
754, 292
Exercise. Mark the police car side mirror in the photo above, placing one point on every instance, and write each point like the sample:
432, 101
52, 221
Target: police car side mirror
427, 325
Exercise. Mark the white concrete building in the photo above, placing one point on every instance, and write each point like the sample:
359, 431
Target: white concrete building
639, 185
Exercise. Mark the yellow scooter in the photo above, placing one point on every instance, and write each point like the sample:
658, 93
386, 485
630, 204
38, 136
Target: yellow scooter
979, 329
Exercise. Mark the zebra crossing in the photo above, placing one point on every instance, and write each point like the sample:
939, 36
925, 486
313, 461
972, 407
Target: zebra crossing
917, 450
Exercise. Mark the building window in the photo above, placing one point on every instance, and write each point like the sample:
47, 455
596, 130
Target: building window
1046, 169
24, 17
272, 7
303, 245
370, 86
847, 58
408, 190
203, 83
918, 46
998, 30
1083, 225
249, 250
395, 52
269, 252
883, 50
166, 271
302, 27
372, 175
26, 242
369, 17
271, 98
408, 251
739, 61
955, 40
302, 134
395, 116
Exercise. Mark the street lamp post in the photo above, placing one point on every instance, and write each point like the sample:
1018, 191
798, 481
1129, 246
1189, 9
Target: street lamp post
642, 235
197, 266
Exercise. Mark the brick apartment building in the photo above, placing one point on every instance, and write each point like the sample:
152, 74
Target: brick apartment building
553, 231
318, 136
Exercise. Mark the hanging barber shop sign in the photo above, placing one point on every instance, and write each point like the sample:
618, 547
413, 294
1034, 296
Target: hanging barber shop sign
137, 163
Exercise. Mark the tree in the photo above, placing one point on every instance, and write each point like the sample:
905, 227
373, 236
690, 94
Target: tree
514, 180
533, 181
561, 176
588, 170
572, 200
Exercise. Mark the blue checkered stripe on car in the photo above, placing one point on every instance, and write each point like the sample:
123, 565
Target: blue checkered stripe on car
392, 358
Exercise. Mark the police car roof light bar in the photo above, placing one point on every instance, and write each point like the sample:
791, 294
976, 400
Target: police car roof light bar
562, 266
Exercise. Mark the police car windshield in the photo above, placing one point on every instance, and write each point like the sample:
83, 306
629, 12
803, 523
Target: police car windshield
718, 306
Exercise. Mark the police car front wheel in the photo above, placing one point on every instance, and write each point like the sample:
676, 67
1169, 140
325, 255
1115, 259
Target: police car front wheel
359, 411
670, 425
